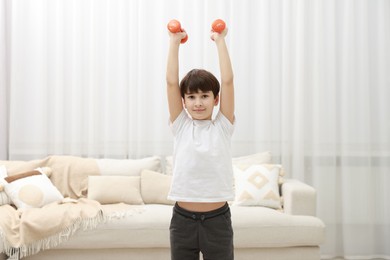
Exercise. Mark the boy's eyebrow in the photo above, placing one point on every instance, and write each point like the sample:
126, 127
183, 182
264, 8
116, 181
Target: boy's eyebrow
199, 92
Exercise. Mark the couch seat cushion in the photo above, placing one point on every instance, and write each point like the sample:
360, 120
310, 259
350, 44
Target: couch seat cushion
264, 227
253, 227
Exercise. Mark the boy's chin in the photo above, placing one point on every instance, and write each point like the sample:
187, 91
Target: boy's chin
201, 118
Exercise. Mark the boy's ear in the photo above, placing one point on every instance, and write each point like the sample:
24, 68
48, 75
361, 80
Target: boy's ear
216, 100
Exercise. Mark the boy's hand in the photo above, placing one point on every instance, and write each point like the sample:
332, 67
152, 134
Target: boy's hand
177, 37
217, 36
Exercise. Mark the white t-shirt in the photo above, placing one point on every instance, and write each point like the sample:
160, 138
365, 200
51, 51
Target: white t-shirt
202, 161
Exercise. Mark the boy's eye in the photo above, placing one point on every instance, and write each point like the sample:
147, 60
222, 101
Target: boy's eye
190, 97
205, 96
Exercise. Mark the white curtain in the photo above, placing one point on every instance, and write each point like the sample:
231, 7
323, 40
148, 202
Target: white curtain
4, 83
87, 78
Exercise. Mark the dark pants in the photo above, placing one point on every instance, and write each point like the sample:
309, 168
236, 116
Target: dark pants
208, 232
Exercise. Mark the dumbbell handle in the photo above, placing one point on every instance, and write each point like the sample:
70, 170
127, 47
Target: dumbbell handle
174, 26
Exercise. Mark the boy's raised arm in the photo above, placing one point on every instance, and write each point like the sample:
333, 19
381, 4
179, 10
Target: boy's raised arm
173, 92
227, 83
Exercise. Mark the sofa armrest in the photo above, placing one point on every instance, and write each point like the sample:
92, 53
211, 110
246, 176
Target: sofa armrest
299, 198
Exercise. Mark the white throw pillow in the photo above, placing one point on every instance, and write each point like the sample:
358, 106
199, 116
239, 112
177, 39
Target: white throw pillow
4, 199
128, 167
31, 191
115, 189
258, 185
155, 187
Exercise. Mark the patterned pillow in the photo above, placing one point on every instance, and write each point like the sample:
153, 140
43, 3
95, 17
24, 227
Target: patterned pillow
258, 185
31, 189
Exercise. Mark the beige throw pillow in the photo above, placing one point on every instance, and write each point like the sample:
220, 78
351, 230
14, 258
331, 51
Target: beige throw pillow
155, 187
128, 167
115, 189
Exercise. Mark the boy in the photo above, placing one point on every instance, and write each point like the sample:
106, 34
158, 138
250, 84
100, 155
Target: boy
202, 171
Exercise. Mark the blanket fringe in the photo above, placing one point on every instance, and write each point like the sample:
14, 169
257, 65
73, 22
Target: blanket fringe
51, 241
123, 214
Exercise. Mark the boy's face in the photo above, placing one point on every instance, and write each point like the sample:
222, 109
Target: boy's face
200, 105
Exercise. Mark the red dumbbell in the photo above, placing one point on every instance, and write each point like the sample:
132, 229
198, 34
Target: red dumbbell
218, 26
174, 26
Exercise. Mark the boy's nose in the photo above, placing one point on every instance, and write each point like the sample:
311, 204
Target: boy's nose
198, 102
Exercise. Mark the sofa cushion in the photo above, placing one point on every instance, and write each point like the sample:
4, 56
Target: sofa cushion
115, 189
155, 187
254, 227
128, 167
276, 229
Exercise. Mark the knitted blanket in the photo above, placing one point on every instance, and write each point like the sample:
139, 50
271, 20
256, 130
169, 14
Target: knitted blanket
28, 232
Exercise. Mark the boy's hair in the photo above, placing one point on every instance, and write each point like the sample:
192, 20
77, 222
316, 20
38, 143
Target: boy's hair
199, 79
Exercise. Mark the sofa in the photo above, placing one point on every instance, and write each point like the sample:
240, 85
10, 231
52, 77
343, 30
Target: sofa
117, 209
